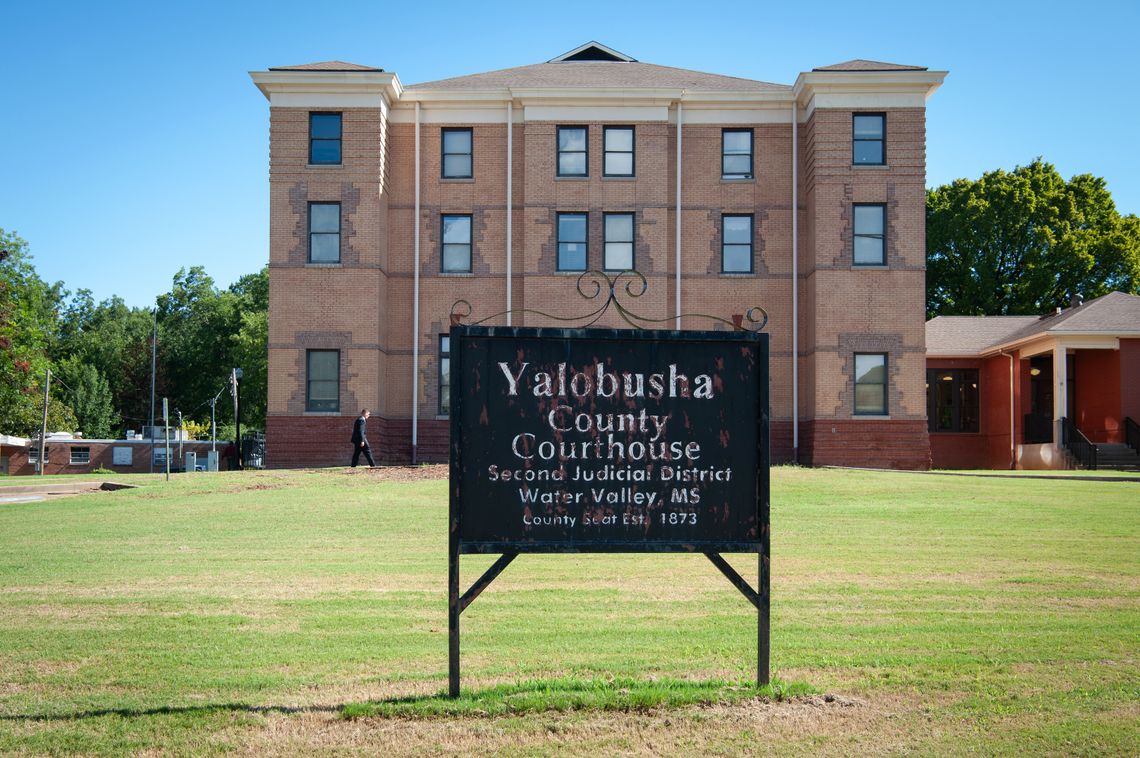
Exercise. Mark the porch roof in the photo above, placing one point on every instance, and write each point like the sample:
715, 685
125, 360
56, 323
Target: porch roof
1115, 314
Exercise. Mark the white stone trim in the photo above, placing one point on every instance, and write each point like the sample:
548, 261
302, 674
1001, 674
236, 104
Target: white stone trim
595, 113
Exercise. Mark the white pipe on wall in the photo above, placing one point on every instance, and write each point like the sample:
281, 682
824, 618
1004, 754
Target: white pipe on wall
795, 286
1012, 441
416, 302
677, 305
510, 197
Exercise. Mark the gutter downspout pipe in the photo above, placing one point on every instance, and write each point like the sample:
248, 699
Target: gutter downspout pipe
416, 302
1012, 427
677, 246
795, 286
510, 195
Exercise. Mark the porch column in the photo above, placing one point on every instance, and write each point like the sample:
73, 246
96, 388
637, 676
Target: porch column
1060, 390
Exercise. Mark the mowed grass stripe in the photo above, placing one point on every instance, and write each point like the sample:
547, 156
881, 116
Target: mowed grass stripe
194, 613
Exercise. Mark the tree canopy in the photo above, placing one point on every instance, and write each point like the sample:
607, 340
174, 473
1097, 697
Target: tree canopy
1026, 241
100, 353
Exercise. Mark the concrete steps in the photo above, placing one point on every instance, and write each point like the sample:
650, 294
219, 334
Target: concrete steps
1117, 457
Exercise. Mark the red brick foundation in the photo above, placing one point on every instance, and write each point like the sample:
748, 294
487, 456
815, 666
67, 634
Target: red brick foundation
306, 441
868, 444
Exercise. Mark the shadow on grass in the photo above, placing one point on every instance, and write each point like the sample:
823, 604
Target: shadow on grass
563, 694
574, 694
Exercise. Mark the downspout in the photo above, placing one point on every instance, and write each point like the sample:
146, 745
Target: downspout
795, 286
1012, 426
416, 302
510, 196
677, 246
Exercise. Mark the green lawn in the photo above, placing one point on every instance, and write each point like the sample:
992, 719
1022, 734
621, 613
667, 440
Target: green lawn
305, 612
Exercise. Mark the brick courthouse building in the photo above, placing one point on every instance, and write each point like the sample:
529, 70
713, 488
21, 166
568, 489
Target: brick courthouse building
389, 203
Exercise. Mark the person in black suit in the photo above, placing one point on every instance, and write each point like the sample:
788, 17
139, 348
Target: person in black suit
360, 439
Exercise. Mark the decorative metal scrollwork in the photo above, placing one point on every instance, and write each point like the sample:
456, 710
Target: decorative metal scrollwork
634, 285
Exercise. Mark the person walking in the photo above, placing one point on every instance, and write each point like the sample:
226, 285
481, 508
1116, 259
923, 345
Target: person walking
360, 440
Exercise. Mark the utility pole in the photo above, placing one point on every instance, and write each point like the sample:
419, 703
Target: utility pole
213, 426
166, 433
43, 425
235, 390
181, 434
153, 355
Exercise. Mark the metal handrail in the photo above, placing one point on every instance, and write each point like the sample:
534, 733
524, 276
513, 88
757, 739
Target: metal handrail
1132, 433
1078, 444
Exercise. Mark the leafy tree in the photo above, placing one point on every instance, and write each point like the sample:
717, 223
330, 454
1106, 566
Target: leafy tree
89, 396
1025, 242
29, 312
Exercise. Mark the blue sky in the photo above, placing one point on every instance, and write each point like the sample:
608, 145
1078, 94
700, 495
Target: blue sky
136, 144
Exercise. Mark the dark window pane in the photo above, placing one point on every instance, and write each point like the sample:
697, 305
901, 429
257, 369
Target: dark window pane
868, 127
457, 141
572, 164
456, 258
869, 251
324, 217
619, 164
868, 152
737, 230
325, 151
324, 125
324, 248
572, 227
870, 368
457, 229
457, 166
969, 411
572, 139
737, 258
869, 399
572, 256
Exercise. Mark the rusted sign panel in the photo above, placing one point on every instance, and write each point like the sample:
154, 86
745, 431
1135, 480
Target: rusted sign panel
597, 440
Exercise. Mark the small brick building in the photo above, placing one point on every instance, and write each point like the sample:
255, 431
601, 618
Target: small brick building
998, 387
390, 203
76, 455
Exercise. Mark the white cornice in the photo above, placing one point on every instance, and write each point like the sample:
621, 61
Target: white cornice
812, 83
299, 83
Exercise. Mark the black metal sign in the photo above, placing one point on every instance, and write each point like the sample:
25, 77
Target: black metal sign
574, 440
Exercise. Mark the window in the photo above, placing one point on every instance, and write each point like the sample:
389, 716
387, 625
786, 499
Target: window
34, 454
870, 227
80, 456
952, 400
870, 384
618, 157
456, 244
618, 242
322, 381
456, 158
324, 232
444, 375
158, 454
572, 154
868, 144
736, 244
572, 246
736, 154
324, 138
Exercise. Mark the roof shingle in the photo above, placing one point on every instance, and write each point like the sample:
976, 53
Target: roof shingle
326, 66
859, 64
600, 74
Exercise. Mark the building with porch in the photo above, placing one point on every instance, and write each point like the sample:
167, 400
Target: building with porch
1036, 392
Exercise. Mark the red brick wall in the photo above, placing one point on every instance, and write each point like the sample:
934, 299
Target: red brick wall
865, 443
59, 457
302, 441
1097, 390
1130, 379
